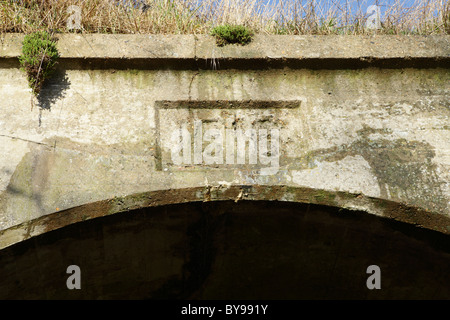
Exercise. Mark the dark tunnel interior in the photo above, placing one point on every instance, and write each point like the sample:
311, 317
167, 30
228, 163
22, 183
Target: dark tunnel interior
225, 250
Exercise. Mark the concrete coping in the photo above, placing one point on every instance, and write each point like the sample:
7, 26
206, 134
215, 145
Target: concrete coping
267, 47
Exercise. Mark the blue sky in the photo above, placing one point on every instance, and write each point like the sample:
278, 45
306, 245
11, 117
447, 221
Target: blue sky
355, 7
355, 3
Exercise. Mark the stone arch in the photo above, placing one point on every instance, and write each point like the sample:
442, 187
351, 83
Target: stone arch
223, 243
380, 207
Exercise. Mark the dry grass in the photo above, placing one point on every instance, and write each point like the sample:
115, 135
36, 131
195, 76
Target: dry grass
200, 16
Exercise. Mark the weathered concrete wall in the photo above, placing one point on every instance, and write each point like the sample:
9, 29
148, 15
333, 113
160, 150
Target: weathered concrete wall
363, 123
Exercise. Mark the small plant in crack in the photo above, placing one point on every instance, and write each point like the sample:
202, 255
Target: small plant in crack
38, 59
229, 34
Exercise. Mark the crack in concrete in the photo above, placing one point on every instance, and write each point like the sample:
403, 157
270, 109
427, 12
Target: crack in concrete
26, 140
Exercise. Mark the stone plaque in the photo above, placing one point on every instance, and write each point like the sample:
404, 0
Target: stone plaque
192, 135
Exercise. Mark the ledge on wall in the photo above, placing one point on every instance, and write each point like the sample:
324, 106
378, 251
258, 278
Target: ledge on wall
147, 51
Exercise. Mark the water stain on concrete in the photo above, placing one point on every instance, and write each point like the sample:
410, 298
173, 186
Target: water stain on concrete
404, 169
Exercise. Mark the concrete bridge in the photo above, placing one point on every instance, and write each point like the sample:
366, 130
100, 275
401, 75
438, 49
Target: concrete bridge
159, 135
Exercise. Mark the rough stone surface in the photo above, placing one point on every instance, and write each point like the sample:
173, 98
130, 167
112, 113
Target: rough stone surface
372, 139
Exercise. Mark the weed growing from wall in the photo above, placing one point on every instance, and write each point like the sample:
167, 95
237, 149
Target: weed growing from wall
38, 59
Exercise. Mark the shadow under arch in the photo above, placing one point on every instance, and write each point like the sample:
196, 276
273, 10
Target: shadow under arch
226, 243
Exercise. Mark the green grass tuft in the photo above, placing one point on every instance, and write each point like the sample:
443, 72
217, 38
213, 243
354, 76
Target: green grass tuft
230, 34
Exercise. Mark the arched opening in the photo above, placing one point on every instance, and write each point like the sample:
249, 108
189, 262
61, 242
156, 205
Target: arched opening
230, 250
